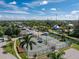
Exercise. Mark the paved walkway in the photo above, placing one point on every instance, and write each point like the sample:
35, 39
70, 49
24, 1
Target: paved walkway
71, 54
15, 48
5, 56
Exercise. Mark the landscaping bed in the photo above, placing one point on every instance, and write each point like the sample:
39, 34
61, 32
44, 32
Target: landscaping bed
23, 54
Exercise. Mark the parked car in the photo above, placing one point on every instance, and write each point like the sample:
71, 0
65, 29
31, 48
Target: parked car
40, 40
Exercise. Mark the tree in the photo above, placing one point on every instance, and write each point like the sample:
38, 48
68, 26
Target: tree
75, 33
27, 41
1, 31
12, 30
56, 55
62, 35
8, 31
16, 31
76, 30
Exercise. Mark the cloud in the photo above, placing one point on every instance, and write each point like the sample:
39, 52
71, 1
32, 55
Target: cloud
43, 9
0, 16
56, 1
40, 12
53, 9
13, 17
13, 3
10, 8
43, 2
33, 4
36, 3
36, 12
25, 8
1, 2
52, 1
75, 12
15, 12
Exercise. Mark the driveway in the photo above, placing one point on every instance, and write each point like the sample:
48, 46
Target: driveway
71, 54
5, 56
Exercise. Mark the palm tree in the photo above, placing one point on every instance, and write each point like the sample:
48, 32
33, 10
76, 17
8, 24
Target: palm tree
27, 41
62, 35
56, 55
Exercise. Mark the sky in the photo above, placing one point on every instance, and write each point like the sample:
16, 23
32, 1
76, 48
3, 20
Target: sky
39, 9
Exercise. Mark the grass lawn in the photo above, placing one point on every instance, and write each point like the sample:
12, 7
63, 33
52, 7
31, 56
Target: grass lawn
63, 49
9, 48
23, 55
76, 46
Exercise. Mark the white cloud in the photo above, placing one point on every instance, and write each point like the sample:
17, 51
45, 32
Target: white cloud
26, 8
31, 5
53, 9
43, 2
1, 2
75, 12
38, 12
14, 2
0, 16
9, 6
13, 8
36, 3
18, 12
56, 1
43, 9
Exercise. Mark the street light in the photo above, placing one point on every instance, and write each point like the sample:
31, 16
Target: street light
46, 34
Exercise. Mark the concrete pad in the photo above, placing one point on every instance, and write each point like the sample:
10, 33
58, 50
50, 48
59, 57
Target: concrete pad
71, 54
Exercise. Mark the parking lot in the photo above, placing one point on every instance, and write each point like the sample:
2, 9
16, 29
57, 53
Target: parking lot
41, 47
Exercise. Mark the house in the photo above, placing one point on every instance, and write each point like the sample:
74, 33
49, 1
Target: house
6, 38
1, 39
56, 27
